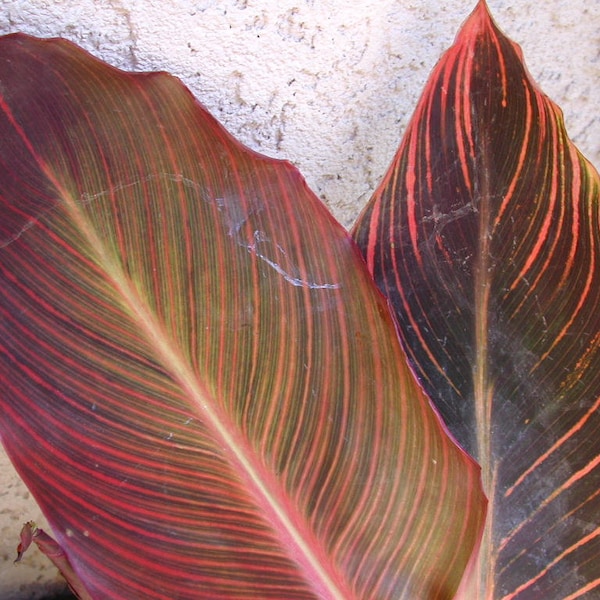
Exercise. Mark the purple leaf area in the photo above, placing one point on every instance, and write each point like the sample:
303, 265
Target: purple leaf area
485, 237
200, 383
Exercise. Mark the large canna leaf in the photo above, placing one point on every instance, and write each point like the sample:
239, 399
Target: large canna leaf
485, 236
200, 382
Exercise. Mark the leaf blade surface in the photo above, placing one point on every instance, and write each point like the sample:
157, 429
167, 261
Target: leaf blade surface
199, 379
485, 237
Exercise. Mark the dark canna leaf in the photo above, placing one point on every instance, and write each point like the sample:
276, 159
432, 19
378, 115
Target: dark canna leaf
199, 381
485, 237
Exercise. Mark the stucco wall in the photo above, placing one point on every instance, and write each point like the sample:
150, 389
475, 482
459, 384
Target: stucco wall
329, 85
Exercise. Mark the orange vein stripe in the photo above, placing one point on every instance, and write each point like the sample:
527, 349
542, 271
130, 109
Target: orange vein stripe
592, 585
559, 490
555, 447
585, 540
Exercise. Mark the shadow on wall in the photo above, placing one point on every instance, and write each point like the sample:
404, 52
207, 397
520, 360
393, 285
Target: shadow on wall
36, 592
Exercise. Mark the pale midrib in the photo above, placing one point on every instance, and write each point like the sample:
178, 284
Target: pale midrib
482, 384
169, 357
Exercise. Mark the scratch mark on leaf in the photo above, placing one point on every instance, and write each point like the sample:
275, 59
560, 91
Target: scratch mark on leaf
260, 238
14, 238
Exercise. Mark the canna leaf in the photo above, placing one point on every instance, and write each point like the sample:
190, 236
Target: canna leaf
485, 237
200, 383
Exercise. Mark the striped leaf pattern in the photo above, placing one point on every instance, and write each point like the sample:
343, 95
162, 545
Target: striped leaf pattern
199, 381
485, 237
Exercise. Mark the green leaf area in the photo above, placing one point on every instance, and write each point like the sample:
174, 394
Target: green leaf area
199, 381
485, 236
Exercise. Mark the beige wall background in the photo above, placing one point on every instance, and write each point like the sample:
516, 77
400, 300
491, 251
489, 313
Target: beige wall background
329, 85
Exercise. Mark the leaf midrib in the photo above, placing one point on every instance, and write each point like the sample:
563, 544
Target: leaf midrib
483, 386
261, 484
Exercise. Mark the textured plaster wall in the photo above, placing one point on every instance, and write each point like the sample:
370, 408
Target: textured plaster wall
329, 85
